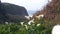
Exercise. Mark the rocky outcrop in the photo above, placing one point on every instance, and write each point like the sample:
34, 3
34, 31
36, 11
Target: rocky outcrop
15, 10
14, 13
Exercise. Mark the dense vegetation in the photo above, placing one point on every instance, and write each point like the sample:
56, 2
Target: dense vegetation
41, 27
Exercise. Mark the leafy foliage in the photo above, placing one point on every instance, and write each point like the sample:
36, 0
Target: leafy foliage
34, 28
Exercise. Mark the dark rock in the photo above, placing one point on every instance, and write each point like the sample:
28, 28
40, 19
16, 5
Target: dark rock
15, 10
13, 13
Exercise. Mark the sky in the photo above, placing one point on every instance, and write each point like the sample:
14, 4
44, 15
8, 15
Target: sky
30, 5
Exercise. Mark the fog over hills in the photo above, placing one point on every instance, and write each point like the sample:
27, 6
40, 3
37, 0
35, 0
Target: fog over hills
30, 12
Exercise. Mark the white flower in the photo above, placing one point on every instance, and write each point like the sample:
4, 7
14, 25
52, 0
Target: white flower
6, 22
56, 29
26, 26
40, 16
31, 21
38, 24
21, 23
27, 17
31, 16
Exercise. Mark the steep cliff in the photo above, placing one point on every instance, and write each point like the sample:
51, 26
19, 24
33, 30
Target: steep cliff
14, 13
15, 10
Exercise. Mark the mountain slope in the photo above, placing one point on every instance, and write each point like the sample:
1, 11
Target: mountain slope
51, 11
13, 12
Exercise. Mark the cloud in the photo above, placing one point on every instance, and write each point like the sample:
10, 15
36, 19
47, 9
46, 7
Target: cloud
28, 4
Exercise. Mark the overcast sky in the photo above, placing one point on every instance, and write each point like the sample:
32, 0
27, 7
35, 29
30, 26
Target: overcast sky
30, 5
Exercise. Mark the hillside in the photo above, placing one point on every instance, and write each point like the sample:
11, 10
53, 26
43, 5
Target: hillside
14, 13
51, 12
